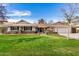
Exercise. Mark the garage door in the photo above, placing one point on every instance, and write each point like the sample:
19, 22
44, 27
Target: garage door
62, 30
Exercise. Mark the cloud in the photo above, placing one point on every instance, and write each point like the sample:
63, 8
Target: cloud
19, 13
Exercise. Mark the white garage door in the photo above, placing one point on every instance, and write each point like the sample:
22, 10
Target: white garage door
62, 30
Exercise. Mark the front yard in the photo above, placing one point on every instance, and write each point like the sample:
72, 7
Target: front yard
41, 45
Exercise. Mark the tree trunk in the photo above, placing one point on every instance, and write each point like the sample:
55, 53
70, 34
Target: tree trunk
68, 33
69, 26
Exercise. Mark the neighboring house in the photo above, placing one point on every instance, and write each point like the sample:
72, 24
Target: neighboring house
40, 27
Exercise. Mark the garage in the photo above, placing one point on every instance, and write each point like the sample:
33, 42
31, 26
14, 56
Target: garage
62, 30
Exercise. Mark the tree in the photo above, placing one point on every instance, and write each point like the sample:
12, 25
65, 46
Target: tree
41, 21
3, 12
69, 13
3, 17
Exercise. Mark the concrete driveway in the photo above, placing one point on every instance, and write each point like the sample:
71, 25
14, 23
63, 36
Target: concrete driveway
71, 35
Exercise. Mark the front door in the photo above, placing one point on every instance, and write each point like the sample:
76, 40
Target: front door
40, 30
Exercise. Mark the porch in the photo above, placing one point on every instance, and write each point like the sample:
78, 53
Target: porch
25, 29
20, 29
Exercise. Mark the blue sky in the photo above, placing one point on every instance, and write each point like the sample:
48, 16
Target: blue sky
34, 11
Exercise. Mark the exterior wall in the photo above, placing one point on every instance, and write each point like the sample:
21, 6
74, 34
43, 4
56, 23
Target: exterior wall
58, 30
1, 30
8, 29
62, 30
20, 30
33, 29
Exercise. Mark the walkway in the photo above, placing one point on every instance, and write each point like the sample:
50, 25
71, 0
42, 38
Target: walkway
72, 35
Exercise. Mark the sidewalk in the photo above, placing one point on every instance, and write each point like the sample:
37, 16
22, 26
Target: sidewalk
71, 35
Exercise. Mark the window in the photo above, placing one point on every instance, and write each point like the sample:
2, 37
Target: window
14, 28
27, 28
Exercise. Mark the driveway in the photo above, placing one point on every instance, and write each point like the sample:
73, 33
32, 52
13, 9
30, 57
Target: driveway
71, 35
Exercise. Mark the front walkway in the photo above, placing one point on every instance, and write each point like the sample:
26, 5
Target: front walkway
71, 35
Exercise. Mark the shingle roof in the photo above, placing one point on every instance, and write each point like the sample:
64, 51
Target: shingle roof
58, 24
19, 23
25, 23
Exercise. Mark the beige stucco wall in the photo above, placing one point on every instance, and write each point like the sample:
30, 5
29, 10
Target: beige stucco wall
33, 29
77, 30
1, 29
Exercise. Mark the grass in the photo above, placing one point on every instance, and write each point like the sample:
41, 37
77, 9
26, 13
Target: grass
38, 45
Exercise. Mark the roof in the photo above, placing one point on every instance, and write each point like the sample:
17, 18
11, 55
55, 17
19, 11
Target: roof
23, 22
19, 23
59, 24
41, 25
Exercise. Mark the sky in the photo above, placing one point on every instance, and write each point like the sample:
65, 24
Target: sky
33, 12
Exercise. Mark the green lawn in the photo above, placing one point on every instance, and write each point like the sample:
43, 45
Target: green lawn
41, 45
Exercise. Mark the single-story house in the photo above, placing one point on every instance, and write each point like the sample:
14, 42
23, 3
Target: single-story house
23, 26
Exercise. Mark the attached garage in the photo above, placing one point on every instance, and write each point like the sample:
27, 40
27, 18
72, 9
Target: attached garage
62, 30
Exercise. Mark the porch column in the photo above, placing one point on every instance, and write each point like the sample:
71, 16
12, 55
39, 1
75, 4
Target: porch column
9, 29
19, 29
44, 30
33, 29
